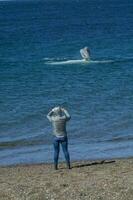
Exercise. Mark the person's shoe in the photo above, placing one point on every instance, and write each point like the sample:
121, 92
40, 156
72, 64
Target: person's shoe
68, 166
55, 167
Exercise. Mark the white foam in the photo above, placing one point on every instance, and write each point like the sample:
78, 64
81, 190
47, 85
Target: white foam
67, 62
101, 61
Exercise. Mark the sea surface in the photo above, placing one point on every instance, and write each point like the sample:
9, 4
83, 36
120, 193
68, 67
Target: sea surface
41, 67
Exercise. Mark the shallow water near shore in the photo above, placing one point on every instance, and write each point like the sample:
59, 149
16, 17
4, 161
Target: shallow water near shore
40, 68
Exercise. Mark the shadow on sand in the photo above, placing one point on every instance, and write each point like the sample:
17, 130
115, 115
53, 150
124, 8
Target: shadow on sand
93, 163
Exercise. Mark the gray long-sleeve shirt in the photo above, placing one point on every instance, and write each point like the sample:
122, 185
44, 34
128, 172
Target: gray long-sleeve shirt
59, 123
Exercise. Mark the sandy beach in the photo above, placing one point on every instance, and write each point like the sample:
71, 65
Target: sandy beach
87, 180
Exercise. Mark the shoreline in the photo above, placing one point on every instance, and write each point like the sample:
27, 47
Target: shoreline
63, 162
100, 179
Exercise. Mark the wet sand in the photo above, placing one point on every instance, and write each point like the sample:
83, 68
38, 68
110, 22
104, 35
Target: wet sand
87, 180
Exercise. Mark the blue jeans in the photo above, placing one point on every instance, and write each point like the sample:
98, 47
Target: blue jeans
64, 143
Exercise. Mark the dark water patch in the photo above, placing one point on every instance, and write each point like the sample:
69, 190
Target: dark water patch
121, 139
23, 143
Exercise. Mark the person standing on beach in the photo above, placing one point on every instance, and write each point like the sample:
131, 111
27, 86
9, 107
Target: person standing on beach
58, 117
85, 53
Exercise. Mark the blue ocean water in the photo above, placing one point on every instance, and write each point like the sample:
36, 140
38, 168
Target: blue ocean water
40, 67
